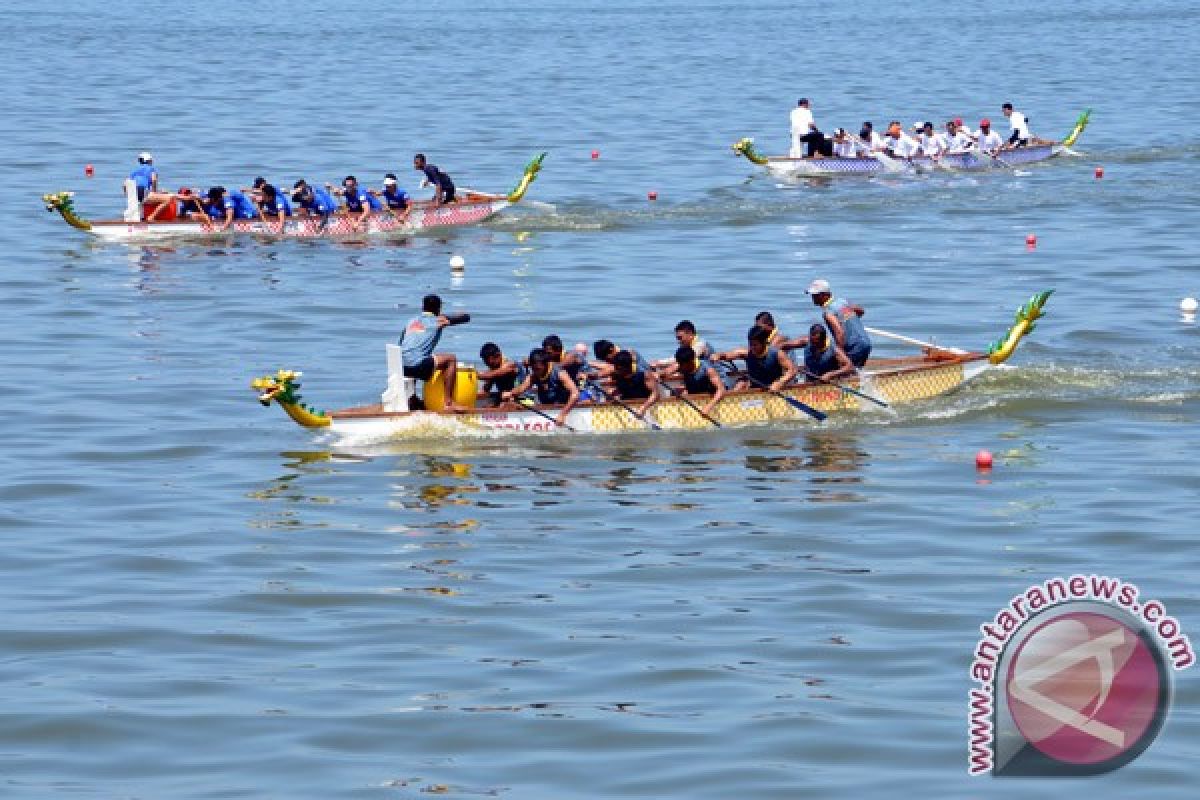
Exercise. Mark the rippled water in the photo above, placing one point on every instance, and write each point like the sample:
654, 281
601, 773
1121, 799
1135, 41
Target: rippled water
202, 600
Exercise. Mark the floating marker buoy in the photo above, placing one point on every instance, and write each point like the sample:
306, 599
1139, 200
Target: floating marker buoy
595, 154
89, 170
1099, 173
458, 262
1188, 305
1031, 240
652, 195
983, 460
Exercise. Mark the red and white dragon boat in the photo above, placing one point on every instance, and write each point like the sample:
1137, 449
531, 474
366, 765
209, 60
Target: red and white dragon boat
473, 207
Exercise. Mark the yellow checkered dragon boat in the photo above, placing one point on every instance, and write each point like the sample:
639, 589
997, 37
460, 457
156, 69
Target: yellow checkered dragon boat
934, 371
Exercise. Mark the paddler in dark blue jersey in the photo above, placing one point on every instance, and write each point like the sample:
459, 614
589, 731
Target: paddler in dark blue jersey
502, 374
766, 365
823, 358
842, 319
272, 204
552, 385
315, 201
633, 381
358, 200
443, 186
698, 376
226, 206
607, 352
394, 198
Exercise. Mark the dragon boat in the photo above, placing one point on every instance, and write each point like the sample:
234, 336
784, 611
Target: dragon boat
933, 372
472, 208
881, 164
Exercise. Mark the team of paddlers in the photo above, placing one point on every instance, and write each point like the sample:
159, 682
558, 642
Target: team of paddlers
265, 201
833, 348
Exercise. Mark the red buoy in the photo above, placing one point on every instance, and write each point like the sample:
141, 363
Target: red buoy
1031, 240
1099, 173
983, 460
89, 170
595, 154
652, 195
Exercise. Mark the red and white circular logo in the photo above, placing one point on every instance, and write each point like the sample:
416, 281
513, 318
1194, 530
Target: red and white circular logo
1087, 690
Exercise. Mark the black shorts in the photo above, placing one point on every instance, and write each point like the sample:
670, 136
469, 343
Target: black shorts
142, 191
422, 370
448, 194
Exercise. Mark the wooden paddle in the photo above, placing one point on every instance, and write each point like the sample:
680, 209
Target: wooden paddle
819, 416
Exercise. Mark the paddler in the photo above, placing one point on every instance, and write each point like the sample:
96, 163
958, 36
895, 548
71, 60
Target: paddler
226, 206
358, 200
823, 358
953, 140
964, 129
632, 381
572, 363
1019, 123
315, 201
394, 198
685, 336
502, 374
606, 352
775, 337
844, 145
699, 377
869, 139
443, 187
898, 144
842, 319
989, 141
417, 343
552, 385
929, 142
765, 365
274, 205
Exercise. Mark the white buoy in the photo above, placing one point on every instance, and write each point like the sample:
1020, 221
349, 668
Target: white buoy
458, 262
1188, 305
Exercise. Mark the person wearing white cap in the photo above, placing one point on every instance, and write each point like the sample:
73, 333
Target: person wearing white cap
395, 199
145, 176
842, 320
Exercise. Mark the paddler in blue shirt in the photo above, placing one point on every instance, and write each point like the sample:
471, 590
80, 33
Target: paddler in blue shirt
842, 319
633, 381
552, 385
823, 359
698, 376
358, 200
394, 198
766, 366
274, 204
443, 187
607, 352
315, 201
418, 341
227, 206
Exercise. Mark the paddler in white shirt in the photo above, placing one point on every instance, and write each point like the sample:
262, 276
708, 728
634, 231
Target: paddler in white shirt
930, 142
898, 144
1020, 135
953, 140
868, 136
844, 146
964, 129
989, 141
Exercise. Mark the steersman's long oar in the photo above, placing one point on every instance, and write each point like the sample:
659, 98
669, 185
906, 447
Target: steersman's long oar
819, 416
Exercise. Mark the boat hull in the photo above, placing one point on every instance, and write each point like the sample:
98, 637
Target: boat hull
919, 379
831, 167
338, 226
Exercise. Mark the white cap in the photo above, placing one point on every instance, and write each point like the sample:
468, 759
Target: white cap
389, 181
819, 286
145, 158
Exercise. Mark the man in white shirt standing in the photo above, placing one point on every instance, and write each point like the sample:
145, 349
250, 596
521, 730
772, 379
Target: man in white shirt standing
989, 141
1020, 126
804, 132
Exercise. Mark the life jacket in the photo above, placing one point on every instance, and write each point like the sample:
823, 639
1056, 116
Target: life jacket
820, 362
698, 382
765, 370
550, 390
632, 387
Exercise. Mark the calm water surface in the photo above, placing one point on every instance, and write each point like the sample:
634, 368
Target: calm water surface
202, 600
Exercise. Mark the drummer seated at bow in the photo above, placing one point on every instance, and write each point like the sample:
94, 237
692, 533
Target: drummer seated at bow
686, 336
767, 366
823, 359
551, 385
698, 376
633, 381
502, 374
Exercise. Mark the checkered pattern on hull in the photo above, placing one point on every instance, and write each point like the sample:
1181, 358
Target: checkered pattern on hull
870, 166
742, 408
